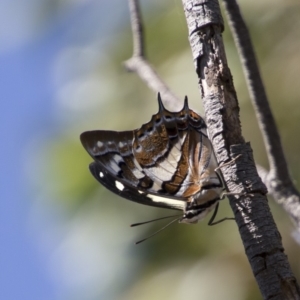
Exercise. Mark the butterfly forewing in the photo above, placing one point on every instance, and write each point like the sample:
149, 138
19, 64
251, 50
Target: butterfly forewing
168, 162
113, 150
115, 168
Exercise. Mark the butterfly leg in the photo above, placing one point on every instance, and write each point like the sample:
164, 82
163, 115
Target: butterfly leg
225, 194
211, 221
228, 163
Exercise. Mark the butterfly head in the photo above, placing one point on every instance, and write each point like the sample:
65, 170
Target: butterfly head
196, 214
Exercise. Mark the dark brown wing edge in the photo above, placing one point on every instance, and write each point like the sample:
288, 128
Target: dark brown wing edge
128, 192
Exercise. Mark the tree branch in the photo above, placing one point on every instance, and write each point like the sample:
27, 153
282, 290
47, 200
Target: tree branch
278, 179
261, 239
138, 63
137, 28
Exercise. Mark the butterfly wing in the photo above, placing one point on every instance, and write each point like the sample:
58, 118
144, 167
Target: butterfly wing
168, 162
115, 168
131, 193
174, 151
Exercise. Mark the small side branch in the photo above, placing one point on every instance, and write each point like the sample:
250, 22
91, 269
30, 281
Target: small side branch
137, 28
278, 179
138, 63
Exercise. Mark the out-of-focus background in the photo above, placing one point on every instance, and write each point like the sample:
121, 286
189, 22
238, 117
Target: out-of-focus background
63, 236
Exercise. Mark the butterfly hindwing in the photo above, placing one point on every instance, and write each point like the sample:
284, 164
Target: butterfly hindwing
113, 150
173, 149
130, 193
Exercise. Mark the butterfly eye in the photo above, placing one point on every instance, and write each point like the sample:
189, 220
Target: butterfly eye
157, 120
189, 215
150, 129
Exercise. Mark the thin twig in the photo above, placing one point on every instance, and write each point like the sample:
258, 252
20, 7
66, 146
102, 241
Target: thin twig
286, 196
278, 179
138, 63
258, 95
137, 28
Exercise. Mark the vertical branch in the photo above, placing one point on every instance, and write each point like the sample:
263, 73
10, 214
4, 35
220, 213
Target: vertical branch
256, 88
278, 179
261, 239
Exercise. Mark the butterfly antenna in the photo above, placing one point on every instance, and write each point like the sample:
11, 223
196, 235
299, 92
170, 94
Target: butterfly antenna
146, 222
156, 232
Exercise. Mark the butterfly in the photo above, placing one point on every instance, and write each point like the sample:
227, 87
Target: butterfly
169, 163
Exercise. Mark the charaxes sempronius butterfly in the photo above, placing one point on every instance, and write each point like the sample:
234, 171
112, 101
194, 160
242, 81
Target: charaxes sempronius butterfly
168, 162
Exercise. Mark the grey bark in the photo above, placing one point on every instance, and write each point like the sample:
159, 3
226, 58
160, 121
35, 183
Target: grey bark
261, 239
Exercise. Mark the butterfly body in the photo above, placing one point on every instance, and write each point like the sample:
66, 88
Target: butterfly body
168, 162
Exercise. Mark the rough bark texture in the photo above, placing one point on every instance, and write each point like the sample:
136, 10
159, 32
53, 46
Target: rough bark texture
259, 234
278, 180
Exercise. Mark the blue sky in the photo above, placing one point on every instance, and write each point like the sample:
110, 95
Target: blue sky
27, 91
24, 84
